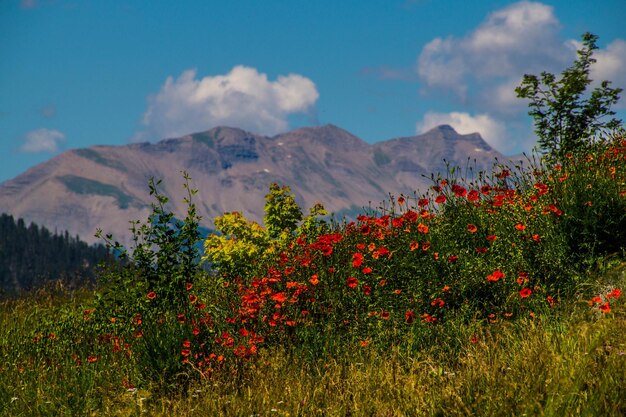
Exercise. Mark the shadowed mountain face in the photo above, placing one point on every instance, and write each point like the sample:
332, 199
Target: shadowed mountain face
106, 186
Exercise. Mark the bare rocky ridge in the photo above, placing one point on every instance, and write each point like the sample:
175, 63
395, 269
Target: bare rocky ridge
106, 186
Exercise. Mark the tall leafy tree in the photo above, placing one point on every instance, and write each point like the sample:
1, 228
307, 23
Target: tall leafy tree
565, 115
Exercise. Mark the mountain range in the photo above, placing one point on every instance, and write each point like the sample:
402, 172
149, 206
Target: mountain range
105, 187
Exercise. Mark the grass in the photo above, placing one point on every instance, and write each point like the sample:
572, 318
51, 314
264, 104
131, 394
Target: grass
572, 364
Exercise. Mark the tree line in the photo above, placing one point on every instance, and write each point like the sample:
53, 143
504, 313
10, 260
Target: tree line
32, 256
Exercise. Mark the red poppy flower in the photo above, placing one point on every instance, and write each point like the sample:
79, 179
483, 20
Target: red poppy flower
367, 290
422, 228
367, 270
491, 238
423, 202
481, 250
452, 258
414, 245
437, 302
606, 307
185, 352
352, 282
440, 199
409, 316
151, 295
279, 297
473, 195
314, 280
385, 315
425, 246
520, 227
411, 215
459, 191
616, 293
400, 200
525, 292
193, 299
497, 275
357, 259
472, 228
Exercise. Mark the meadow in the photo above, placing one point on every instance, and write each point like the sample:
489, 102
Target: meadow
491, 294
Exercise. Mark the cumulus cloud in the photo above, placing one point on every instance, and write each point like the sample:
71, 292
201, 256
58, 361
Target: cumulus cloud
493, 131
242, 98
522, 37
611, 65
42, 140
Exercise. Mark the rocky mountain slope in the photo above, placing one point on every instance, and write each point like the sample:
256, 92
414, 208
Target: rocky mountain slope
106, 186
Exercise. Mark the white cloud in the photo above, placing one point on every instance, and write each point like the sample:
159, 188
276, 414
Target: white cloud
242, 98
493, 131
519, 38
611, 65
42, 140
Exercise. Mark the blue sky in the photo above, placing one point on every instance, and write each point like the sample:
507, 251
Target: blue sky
75, 73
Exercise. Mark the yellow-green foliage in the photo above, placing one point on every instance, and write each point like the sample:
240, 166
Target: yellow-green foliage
240, 243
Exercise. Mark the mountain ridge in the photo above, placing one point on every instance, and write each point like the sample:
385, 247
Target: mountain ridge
105, 186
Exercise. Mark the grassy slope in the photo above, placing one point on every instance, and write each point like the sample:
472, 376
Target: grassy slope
575, 364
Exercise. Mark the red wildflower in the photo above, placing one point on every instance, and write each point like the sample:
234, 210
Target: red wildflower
423, 202
440, 199
151, 295
352, 282
279, 297
616, 293
411, 215
314, 280
452, 258
459, 191
437, 302
473, 195
481, 250
193, 299
474, 338
520, 227
414, 245
551, 301
385, 315
606, 307
472, 228
497, 275
400, 200
185, 352
367, 270
492, 238
367, 290
409, 316
357, 259
425, 245
422, 228
525, 292
505, 173
92, 358
188, 286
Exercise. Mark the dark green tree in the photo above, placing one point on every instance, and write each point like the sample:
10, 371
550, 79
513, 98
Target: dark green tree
566, 118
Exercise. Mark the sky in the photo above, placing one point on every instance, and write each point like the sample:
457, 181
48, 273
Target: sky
77, 73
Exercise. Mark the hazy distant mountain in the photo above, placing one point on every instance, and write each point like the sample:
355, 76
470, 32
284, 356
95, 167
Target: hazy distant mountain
106, 186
